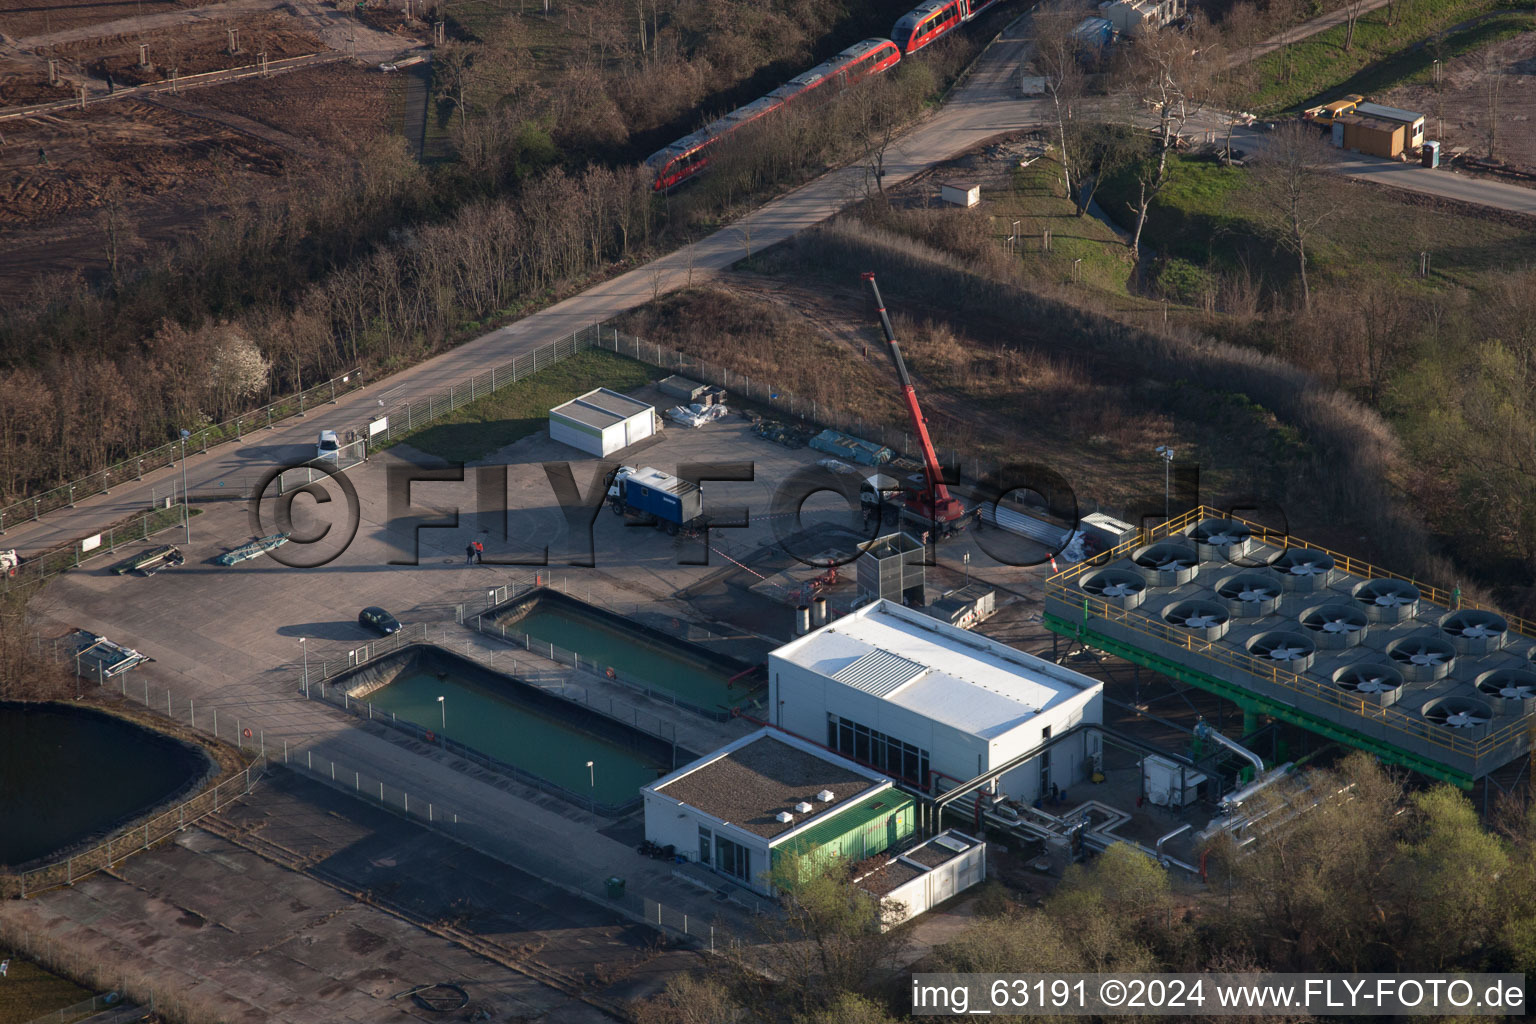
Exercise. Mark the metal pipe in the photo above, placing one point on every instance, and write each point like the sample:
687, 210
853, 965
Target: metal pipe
1233, 801
1204, 731
1163, 839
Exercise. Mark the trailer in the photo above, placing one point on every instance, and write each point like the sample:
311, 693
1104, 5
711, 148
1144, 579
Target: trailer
105, 658
671, 503
149, 562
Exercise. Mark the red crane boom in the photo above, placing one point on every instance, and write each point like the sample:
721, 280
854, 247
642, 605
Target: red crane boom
934, 503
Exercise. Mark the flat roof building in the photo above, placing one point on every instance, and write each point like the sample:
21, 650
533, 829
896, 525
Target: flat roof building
740, 808
601, 422
935, 705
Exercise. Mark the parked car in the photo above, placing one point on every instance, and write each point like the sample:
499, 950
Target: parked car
329, 448
379, 619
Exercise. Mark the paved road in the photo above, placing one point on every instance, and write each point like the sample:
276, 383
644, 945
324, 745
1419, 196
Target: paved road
982, 107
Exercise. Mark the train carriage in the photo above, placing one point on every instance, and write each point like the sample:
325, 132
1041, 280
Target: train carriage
922, 25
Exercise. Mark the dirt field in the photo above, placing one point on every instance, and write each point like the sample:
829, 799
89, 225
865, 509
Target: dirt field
1462, 103
358, 102
190, 49
21, 18
157, 159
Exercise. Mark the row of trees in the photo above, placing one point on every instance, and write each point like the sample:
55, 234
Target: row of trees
1362, 875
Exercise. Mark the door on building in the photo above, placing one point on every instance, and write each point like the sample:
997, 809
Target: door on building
1045, 765
732, 859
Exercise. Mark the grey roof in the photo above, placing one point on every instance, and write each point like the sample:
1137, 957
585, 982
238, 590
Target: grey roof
601, 408
879, 672
1390, 113
750, 785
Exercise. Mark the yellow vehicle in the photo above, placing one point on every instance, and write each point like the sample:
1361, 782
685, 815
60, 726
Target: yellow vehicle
1329, 112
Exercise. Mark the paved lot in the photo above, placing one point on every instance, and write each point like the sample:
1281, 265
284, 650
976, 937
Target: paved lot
257, 942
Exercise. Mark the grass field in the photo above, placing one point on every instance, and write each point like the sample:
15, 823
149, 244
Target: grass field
28, 992
1084, 249
1318, 69
518, 410
1208, 216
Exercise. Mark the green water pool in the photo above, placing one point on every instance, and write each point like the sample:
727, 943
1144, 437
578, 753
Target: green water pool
495, 723
632, 656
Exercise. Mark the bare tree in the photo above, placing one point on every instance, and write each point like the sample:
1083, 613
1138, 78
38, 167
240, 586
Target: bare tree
1493, 87
1297, 190
1352, 11
1165, 74
1057, 56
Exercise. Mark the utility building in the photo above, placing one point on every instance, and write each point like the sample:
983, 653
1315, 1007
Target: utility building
1133, 17
740, 809
924, 701
601, 422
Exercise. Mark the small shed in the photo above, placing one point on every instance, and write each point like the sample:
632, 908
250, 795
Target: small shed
966, 607
960, 195
601, 422
925, 876
1413, 123
1372, 136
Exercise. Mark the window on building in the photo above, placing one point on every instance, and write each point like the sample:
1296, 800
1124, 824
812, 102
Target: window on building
886, 753
704, 844
732, 858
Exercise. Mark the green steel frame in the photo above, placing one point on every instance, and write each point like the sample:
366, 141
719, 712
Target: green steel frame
1251, 702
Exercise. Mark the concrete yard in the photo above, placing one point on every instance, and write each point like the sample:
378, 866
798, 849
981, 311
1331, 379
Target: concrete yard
225, 640
231, 930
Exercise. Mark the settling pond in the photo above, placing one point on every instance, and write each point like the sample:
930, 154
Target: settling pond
497, 716
71, 773
690, 674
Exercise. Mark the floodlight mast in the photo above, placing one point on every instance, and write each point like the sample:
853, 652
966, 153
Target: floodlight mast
934, 504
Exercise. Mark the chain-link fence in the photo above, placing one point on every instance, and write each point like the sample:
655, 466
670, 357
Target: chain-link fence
76, 553
561, 656
199, 441
401, 418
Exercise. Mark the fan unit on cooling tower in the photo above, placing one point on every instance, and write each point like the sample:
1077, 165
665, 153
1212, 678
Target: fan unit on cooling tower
1221, 539
1119, 587
1472, 631
1513, 691
1336, 625
1388, 600
1465, 716
1290, 651
1424, 658
1371, 681
1168, 563
1251, 595
1304, 570
1206, 619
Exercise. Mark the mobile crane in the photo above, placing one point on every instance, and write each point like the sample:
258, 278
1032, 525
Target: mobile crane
931, 503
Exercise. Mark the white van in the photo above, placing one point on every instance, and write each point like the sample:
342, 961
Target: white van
329, 448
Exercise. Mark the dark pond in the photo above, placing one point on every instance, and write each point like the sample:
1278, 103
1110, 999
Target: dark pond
69, 773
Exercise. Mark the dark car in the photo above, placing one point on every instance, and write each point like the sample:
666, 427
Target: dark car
379, 619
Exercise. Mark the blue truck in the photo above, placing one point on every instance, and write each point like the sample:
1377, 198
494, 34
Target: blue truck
672, 503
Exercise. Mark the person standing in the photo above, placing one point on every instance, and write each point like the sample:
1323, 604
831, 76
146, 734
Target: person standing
469, 553
479, 553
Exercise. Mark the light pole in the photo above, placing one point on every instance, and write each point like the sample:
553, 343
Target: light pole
186, 508
592, 786
305, 648
1167, 454
442, 705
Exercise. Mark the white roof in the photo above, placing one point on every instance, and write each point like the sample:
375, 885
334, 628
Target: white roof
943, 673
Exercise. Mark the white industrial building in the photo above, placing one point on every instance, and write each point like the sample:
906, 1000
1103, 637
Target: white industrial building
1133, 17
602, 422
737, 809
924, 701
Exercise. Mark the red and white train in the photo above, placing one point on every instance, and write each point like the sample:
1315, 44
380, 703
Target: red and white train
687, 157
